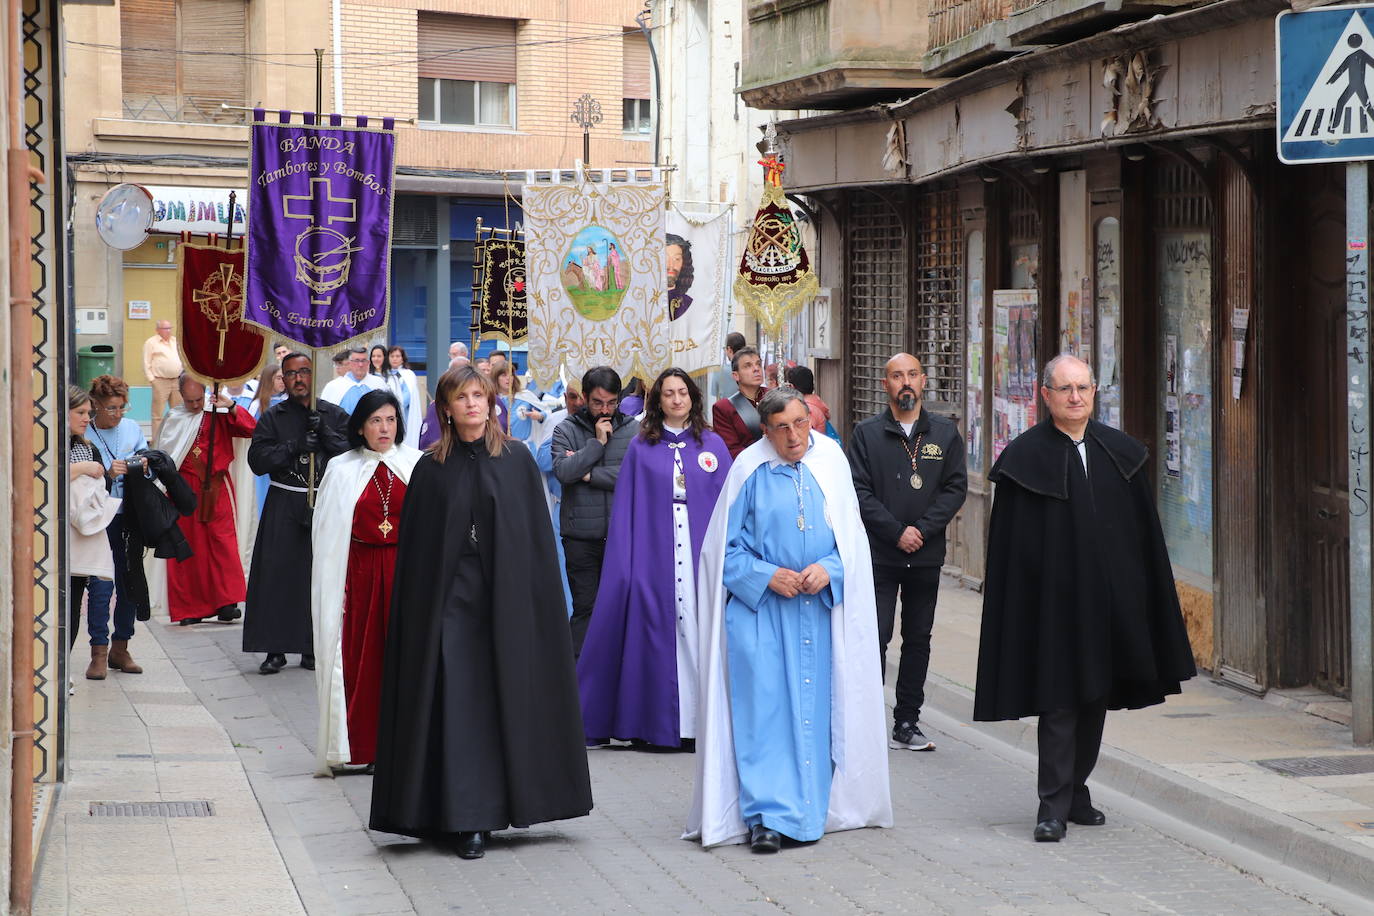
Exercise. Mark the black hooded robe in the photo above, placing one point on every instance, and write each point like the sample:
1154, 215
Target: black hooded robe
1079, 603
480, 726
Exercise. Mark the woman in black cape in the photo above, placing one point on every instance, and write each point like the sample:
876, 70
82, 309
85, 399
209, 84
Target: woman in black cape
480, 727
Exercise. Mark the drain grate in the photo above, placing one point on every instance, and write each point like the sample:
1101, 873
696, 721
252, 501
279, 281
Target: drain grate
1345, 765
152, 809
1187, 715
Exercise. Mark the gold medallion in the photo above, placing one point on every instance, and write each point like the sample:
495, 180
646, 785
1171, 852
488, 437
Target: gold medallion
916, 481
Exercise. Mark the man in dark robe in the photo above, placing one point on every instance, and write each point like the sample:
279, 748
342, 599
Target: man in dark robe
1080, 613
736, 418
287, 436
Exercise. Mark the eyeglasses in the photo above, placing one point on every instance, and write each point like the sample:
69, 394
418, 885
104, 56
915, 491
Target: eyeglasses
1083, 390
113, 409
292, 373
801, 425
598, 404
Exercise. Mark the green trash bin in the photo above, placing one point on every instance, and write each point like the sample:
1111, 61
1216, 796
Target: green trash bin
94, 361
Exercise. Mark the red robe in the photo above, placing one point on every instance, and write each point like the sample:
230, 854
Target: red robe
367, 605
212, 576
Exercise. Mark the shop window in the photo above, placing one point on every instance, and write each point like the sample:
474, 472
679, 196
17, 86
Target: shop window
974, 260
1107, 297
877, 295
938, 319
466, 70
183, 59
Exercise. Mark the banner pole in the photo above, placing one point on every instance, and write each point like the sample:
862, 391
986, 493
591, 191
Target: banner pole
206, 489
310, 482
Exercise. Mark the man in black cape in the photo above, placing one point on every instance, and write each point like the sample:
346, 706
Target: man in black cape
480, 726
1080, 613
277, 612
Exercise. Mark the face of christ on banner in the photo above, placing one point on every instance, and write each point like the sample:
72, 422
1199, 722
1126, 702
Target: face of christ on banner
596, 273
680, 274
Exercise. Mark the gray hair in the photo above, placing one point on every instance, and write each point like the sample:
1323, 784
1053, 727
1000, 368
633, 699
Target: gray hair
776, 401
1047, 377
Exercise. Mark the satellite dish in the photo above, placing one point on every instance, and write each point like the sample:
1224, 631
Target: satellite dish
124, 216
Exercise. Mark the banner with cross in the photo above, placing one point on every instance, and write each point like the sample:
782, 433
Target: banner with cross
215, 344
319, 238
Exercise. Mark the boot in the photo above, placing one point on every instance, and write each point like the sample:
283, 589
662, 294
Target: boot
121, 660
99, 663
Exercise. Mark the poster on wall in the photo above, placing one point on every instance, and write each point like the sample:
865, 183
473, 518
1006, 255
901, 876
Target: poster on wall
697, 249
1015, 325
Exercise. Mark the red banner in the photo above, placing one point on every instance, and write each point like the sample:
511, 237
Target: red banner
215, 344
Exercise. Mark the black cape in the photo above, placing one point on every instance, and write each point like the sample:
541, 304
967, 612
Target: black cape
276, 614
480, 727
1079, 603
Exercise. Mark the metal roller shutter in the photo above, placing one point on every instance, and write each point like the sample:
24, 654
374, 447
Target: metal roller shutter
476, 48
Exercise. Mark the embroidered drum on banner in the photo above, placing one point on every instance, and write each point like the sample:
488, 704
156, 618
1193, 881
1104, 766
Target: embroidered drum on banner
596, 279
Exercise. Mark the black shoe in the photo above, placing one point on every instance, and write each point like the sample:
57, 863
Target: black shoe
274, 662
761, 839
228, 614
1050, 831
308, 662
472, 845
1091, 817
908, 736
187, 621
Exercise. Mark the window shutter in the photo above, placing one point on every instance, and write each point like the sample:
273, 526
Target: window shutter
636, 66
475, 48
149, 76
207, 79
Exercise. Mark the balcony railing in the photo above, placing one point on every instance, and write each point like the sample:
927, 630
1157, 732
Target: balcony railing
951, 20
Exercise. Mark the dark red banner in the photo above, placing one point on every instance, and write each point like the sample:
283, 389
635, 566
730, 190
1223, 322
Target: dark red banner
215, 344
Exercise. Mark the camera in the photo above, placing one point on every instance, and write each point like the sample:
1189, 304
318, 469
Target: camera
136, 463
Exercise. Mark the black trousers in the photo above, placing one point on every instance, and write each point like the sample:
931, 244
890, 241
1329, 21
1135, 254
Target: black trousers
1068, 741
920, 587
583, 560
76, 594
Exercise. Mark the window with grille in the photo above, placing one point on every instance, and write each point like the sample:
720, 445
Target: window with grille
466, 70
937, 322
876, 305
182, 59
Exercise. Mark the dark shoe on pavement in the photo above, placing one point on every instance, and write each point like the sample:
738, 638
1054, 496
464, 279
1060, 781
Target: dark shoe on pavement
908, 736
761, 839
308, 662
1050, 831
186, 622
1091, 817
228, 614
274, 662
471, 845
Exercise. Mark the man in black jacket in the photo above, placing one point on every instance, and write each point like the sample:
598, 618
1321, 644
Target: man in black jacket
587, 450
908, 467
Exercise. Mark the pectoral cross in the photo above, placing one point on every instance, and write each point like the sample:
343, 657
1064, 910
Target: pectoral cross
386, 528
220, 299
196, 451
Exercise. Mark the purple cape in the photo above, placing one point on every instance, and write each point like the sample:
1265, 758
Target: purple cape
627, 673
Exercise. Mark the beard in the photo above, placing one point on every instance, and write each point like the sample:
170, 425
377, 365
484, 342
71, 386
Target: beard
906, 399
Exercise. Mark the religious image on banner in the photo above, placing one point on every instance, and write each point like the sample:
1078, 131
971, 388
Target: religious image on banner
594, 266
215, 344
775, 281
499, 301
319, 229
697, 247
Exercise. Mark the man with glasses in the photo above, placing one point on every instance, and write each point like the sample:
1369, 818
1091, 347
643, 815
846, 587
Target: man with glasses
348, 388
162, 366
587, 450
1080, 614
292, 444
790, 725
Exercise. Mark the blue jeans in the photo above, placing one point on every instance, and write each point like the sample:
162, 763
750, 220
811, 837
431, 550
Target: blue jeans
99, 593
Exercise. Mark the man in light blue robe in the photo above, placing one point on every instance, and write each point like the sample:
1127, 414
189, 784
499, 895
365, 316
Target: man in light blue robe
348, 389
793, 740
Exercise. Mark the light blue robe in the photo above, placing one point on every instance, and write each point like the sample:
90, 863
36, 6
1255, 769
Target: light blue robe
543, 456
779, 652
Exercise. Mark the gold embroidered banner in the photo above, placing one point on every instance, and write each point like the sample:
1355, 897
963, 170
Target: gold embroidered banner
775, 279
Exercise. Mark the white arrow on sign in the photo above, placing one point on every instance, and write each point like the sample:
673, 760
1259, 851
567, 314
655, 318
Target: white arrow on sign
1339, 106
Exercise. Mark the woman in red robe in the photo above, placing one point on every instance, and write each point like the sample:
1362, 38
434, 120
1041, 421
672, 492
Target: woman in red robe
356, 529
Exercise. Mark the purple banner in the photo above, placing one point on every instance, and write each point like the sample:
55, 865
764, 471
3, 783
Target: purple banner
319, 230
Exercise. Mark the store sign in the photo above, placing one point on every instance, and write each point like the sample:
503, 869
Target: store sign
196, 210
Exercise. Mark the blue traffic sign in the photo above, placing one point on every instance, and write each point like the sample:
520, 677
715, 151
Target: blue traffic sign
1326, 84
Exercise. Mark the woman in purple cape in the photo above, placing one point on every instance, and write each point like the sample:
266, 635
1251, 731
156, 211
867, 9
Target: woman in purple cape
638, 670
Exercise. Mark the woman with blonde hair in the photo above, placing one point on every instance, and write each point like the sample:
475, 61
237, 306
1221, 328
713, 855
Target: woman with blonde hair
479, 726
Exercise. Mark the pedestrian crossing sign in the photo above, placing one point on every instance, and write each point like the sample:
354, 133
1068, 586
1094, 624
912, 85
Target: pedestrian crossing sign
1326, 84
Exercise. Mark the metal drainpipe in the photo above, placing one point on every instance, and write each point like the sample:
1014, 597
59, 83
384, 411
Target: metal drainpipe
642, 20
20, 174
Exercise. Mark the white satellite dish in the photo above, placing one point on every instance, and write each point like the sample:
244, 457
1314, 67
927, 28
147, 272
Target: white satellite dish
124, 216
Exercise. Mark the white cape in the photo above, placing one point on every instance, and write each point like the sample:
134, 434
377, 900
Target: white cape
245, 495
860, 795
335, 501
415, 416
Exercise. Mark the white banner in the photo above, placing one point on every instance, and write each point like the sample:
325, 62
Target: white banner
699, 268
595, 274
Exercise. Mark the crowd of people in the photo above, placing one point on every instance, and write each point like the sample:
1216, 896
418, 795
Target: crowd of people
730, 575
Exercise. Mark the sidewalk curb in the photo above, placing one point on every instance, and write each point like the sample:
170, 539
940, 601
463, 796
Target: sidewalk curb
1286, 840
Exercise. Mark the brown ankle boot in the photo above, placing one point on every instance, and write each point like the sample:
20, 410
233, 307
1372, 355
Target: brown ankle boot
121, 660
99, 663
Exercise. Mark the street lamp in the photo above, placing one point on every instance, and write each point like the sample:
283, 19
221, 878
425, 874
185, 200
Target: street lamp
586, 113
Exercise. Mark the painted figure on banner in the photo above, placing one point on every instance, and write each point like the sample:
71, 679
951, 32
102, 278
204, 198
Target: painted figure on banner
614, 269
594, 279
680, 273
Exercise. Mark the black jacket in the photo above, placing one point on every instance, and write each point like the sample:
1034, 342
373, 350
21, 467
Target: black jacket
586, 508
881, 467
152, 514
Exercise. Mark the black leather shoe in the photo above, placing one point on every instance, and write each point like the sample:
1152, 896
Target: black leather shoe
274, 662
472, 845
1089, 818
308, 662
761, 839
228, 614
1050, 831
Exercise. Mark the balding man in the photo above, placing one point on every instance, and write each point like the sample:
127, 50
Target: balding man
455, 350
908, 467
162, 366
1080, 614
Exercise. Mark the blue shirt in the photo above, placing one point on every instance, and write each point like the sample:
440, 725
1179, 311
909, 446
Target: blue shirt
119, 443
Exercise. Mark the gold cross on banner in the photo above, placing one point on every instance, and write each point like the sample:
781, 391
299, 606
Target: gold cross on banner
220, 299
